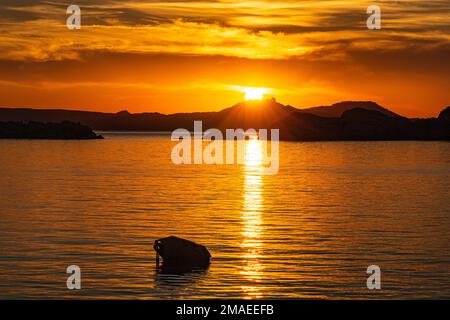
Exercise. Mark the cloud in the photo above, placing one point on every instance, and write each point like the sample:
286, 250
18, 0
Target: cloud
251, 29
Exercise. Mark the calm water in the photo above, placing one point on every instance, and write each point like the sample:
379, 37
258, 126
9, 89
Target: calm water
309, 232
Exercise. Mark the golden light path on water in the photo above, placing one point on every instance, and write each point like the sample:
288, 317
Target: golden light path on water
252, 218
305, 233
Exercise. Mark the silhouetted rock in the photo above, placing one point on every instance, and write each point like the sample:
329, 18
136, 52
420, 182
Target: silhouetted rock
178, 252
37, 130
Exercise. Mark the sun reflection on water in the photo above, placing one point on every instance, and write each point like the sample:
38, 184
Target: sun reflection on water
252, 219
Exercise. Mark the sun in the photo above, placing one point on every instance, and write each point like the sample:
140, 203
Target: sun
254, 93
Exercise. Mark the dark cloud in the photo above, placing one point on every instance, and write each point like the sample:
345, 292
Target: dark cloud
14, 15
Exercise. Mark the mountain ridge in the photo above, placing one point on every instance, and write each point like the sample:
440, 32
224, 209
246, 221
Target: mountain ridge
337, 109
367, 121
313, 110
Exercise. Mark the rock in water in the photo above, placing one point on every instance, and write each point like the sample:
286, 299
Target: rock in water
180, 252
38, 130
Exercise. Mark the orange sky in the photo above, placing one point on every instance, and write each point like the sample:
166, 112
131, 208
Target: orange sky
183, 56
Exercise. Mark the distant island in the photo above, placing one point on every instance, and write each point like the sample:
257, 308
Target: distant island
39, 130
348, 120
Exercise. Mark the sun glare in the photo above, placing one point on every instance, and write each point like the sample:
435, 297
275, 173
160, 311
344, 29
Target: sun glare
254, 93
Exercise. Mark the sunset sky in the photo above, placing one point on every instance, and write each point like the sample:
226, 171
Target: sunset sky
183, 56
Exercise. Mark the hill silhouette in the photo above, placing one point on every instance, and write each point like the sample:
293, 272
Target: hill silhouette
341, 121
337, 110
